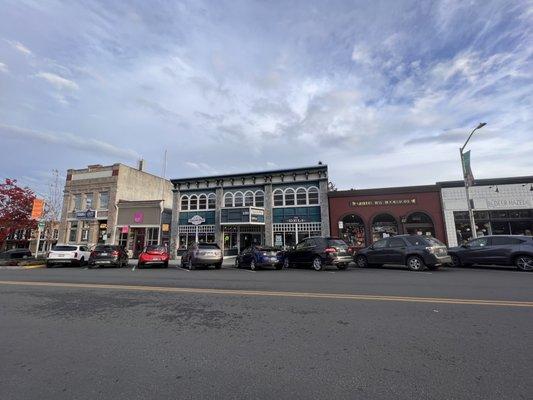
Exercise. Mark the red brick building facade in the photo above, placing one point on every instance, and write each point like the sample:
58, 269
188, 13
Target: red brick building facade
361, 217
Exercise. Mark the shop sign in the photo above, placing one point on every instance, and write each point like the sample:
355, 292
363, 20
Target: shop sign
341, 225
257, 215
103, 226
508, 203
165, 227
392, 202
138, 217
295, 220
41, 225
196, 220
125, 229
87, 214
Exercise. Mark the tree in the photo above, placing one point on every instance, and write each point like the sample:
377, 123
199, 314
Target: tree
53, 202
15, 208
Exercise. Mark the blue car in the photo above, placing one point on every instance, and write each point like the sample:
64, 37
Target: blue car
256, 257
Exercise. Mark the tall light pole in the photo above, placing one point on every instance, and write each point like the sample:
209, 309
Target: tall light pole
467, 183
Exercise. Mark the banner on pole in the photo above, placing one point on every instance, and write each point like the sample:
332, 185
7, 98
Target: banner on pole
468, 169
37, 210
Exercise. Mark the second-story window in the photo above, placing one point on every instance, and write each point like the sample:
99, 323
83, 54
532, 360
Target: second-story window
211, 201
104, 200
202, 202
89, 201
194, 202
77, 202
184, 203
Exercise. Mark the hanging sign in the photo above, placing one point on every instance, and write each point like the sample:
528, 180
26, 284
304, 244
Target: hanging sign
125, 229
196, 220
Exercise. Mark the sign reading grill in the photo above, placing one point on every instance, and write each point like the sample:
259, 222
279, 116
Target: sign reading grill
392, 202
196, 220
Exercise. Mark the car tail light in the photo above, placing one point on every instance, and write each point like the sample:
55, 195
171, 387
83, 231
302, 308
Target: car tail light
114, 253
330, 250
93, 254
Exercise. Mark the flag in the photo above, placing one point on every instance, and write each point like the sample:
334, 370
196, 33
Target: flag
467, 168
37, 210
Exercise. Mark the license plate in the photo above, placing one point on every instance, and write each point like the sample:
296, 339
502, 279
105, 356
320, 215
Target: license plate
102, 262
156, 259
61, 255
273, 259
103, 254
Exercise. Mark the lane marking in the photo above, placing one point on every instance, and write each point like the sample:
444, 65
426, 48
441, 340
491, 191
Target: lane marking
265, 293
34, 266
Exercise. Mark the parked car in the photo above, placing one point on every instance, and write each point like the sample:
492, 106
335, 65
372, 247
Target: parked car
15, 254
415, 251
154, 255
108, 255
318, 252
256, 257
204, 254
496, 250
71, 254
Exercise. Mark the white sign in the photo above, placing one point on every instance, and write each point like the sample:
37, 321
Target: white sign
196, 220
341, 224
508, 203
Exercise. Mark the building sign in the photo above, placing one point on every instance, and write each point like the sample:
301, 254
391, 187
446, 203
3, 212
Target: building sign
196, 220
245, 215
165, 227
341, 225
87, 214
125, 229
138, 217
295, 220
103, 226
508, 203
257, 215
392, 202
37, 210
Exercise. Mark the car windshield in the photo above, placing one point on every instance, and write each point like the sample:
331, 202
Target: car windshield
208, 246
104, 248
64, 248
265, 248
434, 242
159, 249
337, 243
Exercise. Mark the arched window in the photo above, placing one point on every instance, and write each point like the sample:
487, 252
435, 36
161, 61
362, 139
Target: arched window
301, 197
419, 223
211, 201
259, 200
353, 231
184, 203
278, 198
249, 199
312, 194
383, 225
193, 202
239, 199
228, 200
289, 197
202, 202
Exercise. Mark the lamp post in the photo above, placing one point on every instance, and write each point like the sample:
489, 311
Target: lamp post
467, 184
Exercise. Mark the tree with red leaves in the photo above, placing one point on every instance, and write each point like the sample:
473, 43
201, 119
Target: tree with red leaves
15, 208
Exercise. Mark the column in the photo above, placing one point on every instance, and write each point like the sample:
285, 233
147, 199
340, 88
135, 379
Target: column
269, 219
174, 224
324, 206
219, 234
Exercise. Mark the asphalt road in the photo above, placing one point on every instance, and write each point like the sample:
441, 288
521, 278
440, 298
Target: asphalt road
71, 333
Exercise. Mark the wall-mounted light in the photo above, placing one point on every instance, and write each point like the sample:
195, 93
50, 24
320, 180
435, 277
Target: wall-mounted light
496, 188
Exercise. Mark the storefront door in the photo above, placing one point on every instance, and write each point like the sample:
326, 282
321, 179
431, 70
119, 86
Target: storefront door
138, 241
249, 239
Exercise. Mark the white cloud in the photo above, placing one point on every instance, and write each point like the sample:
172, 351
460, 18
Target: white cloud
3, 68
20, 47
58, 81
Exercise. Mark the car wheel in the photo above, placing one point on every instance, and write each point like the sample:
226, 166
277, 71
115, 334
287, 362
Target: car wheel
524, 263
286, 263
82, 262
456, 261
415, 263
278, 266
190, 265
237, 263
342, 267
140, 265
218, 266
165, 265
318, 264
361, 261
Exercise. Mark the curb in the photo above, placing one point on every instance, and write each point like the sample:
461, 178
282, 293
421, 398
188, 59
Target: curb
34, 266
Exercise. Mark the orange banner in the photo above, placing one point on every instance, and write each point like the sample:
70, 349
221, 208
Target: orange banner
38, 209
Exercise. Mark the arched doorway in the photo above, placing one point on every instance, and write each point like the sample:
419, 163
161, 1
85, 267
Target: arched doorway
353, 231
384, 225
419, 223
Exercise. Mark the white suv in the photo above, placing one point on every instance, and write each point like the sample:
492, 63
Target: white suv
72, 254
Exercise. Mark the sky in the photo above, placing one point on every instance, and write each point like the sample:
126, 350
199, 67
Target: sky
384, 92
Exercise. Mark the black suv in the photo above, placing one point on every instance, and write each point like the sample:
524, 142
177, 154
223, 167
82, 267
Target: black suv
318, 252
495, 250
414, 251
108, 255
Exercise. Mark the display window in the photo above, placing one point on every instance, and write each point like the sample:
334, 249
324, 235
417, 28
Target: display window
353, 231
384, 226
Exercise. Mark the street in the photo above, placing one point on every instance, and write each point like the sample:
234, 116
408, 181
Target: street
376, 333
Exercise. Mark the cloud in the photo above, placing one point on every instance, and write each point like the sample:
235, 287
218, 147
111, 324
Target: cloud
67, 140
58, 81
3, 68
20, 47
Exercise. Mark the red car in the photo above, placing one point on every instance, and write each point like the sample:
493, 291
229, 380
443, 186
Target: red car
153, 255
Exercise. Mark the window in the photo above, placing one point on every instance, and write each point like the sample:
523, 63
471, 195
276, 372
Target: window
228, 200
184, 203
85, 231
193, 205
202, 202
89, 201
312, 194
77, 202
481, 242
278, 198
416, 241
239, 199
73, 232
380, 244
211, 201
289, 197
396, 242
502, 241
103, 201
55, 235
301, 197
152, 236
248, 199
302, 245
259, 200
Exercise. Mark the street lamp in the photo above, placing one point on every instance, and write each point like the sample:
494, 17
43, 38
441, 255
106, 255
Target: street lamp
467, 184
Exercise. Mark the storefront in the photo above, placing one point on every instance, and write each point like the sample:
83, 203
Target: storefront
274, 208
501, 207
142, 223
361, 217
